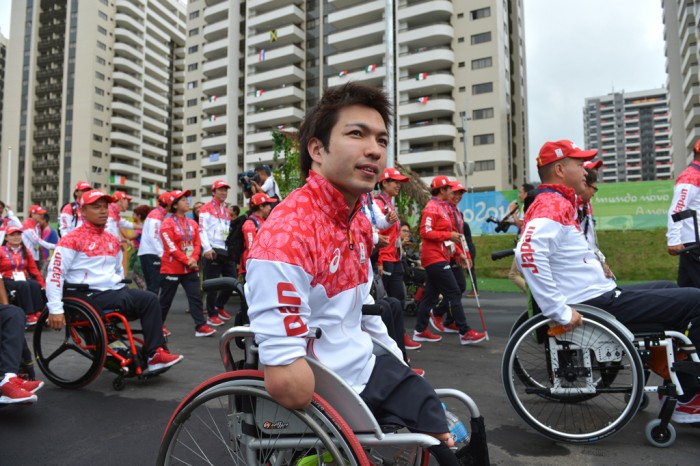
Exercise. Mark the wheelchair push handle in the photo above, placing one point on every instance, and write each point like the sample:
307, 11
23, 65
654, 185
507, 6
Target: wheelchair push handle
498, 255
222, 283
684, 215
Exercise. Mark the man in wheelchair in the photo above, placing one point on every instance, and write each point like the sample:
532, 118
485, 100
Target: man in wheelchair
560, 267
310, 267
90, 255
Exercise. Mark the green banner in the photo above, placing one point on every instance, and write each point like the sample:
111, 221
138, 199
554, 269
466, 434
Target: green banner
632, 205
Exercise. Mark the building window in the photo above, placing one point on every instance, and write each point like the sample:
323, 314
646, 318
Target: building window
191, 102
96, 153
191, 156
482, 88
480, 13
192, 85
484, 165
460, 39
99, 76
461, 64
483, 139
99, 107
99, 91
102, 30
190, 175
101, 45
192, 66
97, 138
102, 15
482, 113
191, 120
101, 61
480, 63
481, 38
193, 49
193, 32
191, 138
194, 14
97, 122
460, 15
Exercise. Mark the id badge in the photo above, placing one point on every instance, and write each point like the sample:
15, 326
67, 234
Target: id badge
188, 250
19, 276
224, 233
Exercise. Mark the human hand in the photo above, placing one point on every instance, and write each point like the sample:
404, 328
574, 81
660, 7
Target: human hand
210, 254
191, 263
383, 241
380, 269
576, 320
608, 273
57, 321
673, 250
392, 217
455, 237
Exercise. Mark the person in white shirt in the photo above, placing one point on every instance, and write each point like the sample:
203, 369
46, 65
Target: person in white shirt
267, 184
70, 217
151, 247
31, 234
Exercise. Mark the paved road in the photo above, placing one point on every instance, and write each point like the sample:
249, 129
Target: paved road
97, 425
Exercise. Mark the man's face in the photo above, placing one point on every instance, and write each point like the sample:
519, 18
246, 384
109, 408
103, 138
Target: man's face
574, 175
265, 210
589, 192
123, 204
456, 196
36, 217
262, 174
96, 213
392, 187
220, 194
356, 152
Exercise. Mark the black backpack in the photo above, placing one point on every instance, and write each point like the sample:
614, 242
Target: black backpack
235, 243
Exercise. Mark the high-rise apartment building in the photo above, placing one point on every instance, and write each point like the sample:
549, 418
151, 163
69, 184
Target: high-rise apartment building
459, 70
3, 55
631, 131
681, 30
96, 94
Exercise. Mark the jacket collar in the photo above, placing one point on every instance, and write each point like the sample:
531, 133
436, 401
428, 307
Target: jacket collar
93, 228
568, 193
329, 199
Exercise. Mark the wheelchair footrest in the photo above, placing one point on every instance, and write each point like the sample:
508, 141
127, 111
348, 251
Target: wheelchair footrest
687, 367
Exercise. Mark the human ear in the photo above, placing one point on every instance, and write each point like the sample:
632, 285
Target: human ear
316, 150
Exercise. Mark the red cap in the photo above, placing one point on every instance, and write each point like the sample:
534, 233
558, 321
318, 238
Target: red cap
36, 209
696, 147
593, 164
164, 198
119, 195
220, 184
94, 195
392, 174
554, 151
82, 186
12, 229
261, 198
175, 196
457, 186
440, 181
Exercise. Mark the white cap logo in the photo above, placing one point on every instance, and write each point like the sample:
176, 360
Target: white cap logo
559, 152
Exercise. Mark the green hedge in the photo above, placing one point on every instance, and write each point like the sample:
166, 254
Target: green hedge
632, 255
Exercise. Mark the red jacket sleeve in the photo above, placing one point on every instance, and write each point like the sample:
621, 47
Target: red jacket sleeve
171, 243
196, 240
427, 227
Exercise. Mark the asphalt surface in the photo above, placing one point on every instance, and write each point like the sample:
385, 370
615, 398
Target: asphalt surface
97, 425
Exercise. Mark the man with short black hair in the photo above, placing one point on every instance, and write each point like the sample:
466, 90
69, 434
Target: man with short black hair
267, 183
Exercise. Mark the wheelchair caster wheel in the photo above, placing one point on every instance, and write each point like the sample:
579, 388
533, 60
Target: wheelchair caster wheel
658, 436
645, 402
411, 309
118, 384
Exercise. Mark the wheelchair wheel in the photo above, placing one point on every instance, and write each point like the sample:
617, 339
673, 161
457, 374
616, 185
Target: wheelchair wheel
578, 387
74, 356
231, 419
658, 436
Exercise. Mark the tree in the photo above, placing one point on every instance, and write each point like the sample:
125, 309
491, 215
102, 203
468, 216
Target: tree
287, 174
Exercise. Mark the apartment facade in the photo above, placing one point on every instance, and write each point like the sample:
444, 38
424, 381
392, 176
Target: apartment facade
681, 31
632, 133
3, 60
96, 95
459, 71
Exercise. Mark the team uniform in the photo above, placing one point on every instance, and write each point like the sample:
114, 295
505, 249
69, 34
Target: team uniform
21, 275
310, 267
151, 248
7, 221
70, 218
389, 257
250, 230
214, 221
686, 196
32, 238
115, 221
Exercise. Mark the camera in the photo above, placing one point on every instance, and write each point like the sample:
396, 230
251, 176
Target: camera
245, 178
501, 226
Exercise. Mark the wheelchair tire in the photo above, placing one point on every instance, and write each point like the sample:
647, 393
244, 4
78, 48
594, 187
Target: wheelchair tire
658, 436
231, 419
565, 388
74, 356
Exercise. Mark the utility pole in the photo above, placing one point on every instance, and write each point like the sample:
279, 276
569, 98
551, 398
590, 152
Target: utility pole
463, 131
389, 73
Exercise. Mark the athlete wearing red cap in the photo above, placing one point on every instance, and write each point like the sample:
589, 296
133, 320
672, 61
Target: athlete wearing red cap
260, 208
151, 247
70, 217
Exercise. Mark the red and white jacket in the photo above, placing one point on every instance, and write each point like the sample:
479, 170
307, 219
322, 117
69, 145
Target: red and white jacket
392, 251
214, 221
151, 242
310, 267
435, 229
18, 260
31, 238
9, 219
88, 255
177, 234
250, 231
686, 195
68, 222
559, 265
115, 221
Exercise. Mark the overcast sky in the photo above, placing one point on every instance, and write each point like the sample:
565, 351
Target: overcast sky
575, 49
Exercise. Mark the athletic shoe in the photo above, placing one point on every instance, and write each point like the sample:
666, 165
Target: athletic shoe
13, 393
29, 385
472, 337
451, 328
410, 344
166, 332
472, 294
425, 335
688, 412
223, 315
162, 359
420, 372
204, 331
215, 321
436, 322
32, 319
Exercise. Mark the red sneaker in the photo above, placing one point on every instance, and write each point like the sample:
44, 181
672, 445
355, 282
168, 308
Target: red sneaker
410, 344
425, 335
451, 328
162, 359
436, 322
472, 337
29, 385
166, 332
223, 315
688, 412
11, 393
204, 331
215, 321
420, 372
32, 319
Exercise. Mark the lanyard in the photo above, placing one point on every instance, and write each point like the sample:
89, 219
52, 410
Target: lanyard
442, 207
220, 213
367, 201
12, 260
182, 232
390, 206
458, 219
550, 190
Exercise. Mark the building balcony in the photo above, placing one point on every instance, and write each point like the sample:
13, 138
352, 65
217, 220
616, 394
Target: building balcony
125, 108
215, 31
215, 105
427, 59
217, 12
215, 86
153, 137
214, 143
357, 58
128, 66
415, 159
426, 12
45, 179
361, 36
125, 123
124, 50
214, 160
154, 165
215, 68
124, 94
290, 34
691, 79
120, 167
130, 9
117, 183
260, 137
215, 50
149, 178
357, 15
375, 78
215, 124
289, 74
692, 118
251, 159
278, 116
128, 36
44, 195
51, 164
263, 6
286, 95
151, 150
124, 138
126, 80
290, 14
421, 134
433, 108
125, 153
272, 59
439, 82
427, 36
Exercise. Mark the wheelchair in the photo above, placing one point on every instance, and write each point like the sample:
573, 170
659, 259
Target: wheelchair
584, 385
231, 419
92, 339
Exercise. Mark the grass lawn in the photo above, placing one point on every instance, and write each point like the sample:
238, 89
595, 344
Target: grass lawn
504, 285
